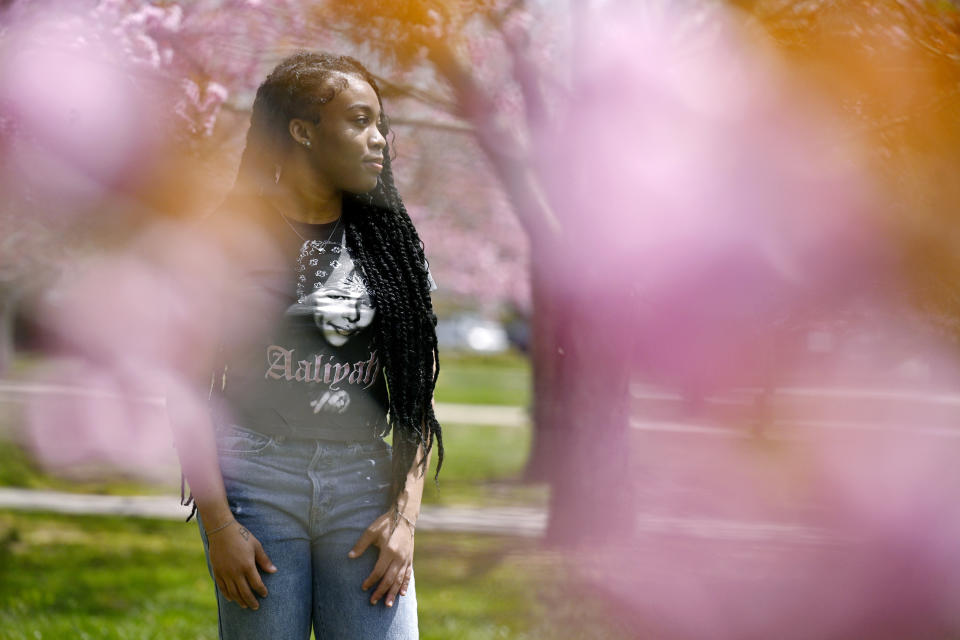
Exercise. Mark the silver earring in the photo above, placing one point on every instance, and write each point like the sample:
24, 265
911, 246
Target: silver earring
306, 143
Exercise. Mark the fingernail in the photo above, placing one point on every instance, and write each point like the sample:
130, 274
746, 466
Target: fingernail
273, 567
352, 554
389, 603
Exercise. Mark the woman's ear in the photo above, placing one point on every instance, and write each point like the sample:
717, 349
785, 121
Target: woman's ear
301, 131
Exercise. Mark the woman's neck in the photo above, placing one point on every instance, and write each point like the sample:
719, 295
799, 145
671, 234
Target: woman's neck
307, 201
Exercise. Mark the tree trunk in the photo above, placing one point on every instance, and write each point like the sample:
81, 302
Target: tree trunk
543, 359
591, 484
8, 313
581, 367
580, 428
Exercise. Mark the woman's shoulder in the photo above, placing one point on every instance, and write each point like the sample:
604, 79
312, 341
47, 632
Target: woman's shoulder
236, 229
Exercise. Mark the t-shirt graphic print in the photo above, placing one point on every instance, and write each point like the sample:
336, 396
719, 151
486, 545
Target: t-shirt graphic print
341, 308
315, 371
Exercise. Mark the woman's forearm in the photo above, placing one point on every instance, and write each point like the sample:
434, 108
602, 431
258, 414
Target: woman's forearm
410, 498
196, 448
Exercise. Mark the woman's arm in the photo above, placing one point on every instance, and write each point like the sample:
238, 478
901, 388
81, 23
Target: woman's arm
196, 329
393, 533
235, 553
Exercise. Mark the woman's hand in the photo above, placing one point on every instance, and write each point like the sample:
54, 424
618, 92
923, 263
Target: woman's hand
394, 566
235, 554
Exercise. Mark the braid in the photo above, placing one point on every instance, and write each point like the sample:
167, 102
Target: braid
390, 254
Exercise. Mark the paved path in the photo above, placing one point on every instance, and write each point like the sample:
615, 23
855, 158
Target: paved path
520, 521
504, 416
500, 416
656, 409
514, 521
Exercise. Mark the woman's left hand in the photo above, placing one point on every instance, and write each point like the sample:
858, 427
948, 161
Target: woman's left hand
394, 566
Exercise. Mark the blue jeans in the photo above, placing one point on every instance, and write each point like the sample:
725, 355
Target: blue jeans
308, 501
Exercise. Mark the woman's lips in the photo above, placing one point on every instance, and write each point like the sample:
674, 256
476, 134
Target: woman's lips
376, 166
343, 331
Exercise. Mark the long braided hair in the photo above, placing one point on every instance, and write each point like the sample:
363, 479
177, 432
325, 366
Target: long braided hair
383, 241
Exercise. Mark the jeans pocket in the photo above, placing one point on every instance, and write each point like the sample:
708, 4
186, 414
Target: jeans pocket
239, 442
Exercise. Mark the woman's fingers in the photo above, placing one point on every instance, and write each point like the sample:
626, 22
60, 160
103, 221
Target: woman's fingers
231, 593
406, 580
239, 591
389, 580
222, 587
263, 561
365, 541
378, 570
252, 578
395, 588
246, 596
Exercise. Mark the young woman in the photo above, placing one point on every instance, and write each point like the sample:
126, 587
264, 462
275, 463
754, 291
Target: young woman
326, 342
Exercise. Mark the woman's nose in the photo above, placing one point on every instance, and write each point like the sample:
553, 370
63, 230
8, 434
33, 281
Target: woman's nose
355, 316
376, 141
353, 312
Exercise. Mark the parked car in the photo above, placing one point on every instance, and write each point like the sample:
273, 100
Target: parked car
471, 332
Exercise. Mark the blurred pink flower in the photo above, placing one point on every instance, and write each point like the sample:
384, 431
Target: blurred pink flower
133, 326
693, 182
705, 202
83, 127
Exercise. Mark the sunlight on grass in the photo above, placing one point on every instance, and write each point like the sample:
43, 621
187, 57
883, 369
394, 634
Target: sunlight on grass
102, 578
483, 466
500, 380
123, 579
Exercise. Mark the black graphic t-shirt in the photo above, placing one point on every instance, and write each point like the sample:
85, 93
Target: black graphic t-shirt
314, 372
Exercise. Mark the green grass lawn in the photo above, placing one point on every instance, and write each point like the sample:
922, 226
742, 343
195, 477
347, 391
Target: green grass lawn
469, 379
114, 578
483, 465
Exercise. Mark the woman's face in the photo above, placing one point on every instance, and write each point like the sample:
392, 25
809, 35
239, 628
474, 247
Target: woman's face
340, 312
346, 148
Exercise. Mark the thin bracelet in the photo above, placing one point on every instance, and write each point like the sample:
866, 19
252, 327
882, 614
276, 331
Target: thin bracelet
409, 521
220, 528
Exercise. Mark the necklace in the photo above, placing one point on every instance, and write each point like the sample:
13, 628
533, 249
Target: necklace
317, 242
309, 248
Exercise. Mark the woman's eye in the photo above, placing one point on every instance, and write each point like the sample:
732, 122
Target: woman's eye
363, 121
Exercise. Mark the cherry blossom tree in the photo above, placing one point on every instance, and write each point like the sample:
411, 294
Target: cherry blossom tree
200, 63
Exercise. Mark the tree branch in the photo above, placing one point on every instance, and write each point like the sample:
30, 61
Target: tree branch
525, 72
419, 94
421, 123
508, 158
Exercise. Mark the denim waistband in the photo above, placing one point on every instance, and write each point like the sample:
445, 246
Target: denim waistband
343, 437
269, 423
